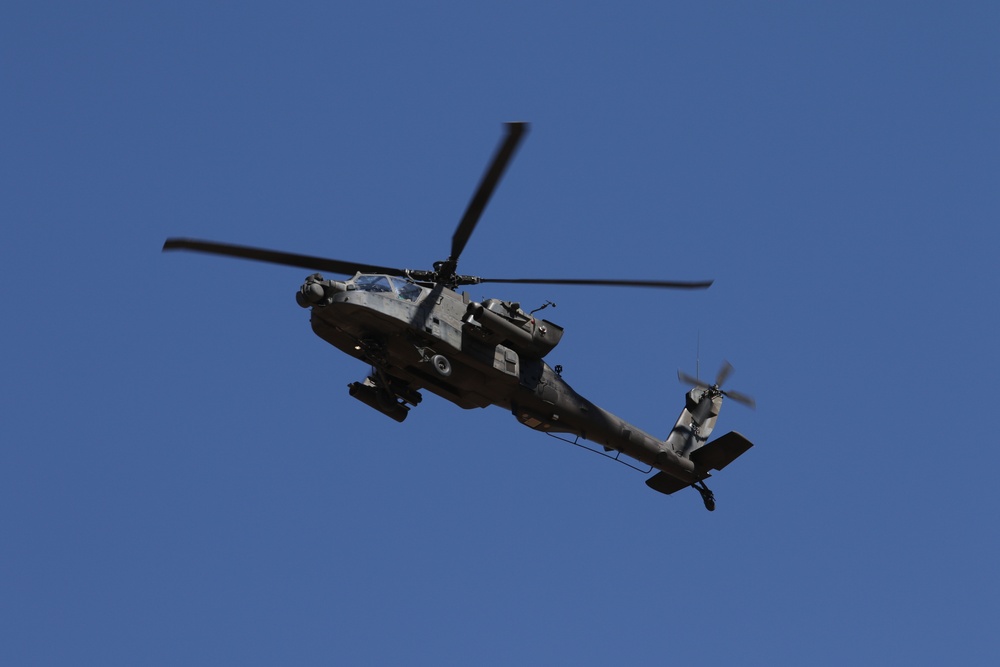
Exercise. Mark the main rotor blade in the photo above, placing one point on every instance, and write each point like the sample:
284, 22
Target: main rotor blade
276, 257
663, 284
515, 132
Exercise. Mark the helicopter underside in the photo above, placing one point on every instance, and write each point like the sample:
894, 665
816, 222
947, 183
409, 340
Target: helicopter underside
406, 357
410, 359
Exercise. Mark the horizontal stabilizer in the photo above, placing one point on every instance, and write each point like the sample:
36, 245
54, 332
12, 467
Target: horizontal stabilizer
666, 483
717, 454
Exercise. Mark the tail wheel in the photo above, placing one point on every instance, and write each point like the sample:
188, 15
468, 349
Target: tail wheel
707, 496
441, 365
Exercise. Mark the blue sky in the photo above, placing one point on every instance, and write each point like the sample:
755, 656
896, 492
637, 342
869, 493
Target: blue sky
184, 478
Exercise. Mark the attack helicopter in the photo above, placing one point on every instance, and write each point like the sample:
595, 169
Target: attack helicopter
417, 332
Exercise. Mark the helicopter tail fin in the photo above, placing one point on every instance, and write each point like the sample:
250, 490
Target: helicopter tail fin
695, 423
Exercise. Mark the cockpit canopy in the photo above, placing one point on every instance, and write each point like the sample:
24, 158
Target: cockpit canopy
388, 285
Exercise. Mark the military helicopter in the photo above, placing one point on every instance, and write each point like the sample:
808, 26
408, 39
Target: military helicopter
417, 332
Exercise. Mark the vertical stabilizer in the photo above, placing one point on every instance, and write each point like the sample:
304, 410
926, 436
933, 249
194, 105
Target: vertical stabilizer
695, 423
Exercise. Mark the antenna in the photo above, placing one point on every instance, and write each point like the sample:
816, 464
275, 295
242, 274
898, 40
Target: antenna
542, 307
697, 357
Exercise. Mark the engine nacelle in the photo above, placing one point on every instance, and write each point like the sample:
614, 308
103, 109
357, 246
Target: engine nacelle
522, 333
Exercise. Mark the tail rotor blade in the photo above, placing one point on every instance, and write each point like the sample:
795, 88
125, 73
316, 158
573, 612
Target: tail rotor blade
741, 398
724, 372
687, 379
723, 375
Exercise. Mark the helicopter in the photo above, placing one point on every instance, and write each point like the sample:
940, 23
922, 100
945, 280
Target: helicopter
417, 332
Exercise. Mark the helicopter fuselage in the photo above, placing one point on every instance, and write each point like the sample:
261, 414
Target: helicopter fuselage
471, 354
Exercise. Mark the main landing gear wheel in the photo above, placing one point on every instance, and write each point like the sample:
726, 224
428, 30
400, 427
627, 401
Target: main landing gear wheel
441, 365
707, 496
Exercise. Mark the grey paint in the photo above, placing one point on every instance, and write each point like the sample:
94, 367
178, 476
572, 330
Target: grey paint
493, 360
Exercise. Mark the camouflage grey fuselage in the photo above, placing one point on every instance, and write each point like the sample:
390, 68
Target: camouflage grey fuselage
493, 355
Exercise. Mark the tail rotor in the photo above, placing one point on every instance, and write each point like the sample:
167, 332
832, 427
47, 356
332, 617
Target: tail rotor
713, 390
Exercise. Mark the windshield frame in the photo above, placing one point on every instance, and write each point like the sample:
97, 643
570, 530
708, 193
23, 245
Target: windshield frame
381, 283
